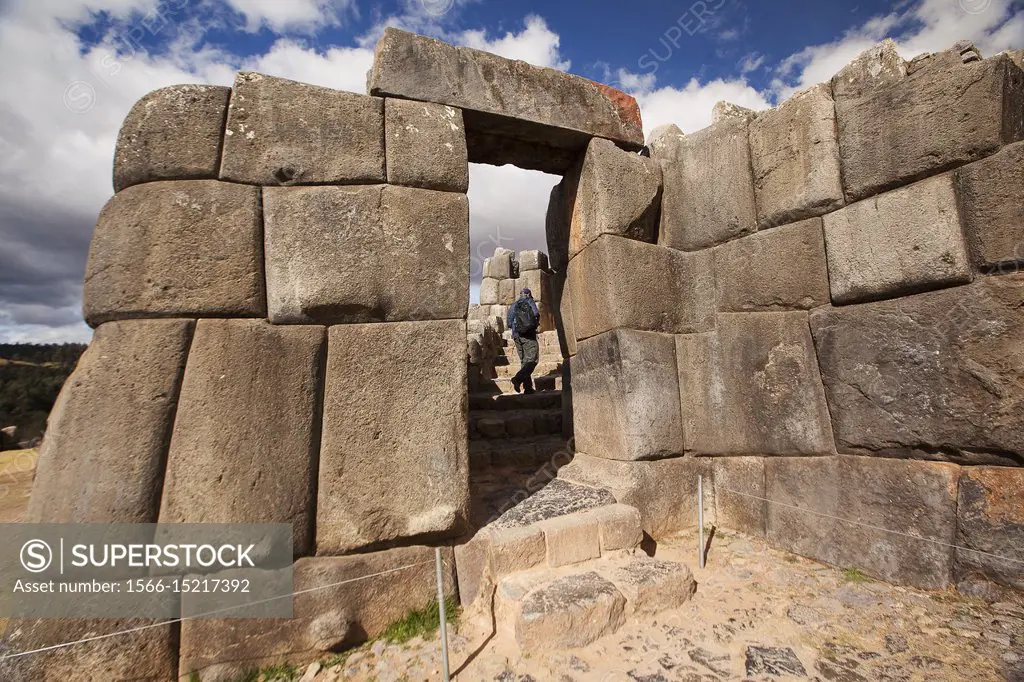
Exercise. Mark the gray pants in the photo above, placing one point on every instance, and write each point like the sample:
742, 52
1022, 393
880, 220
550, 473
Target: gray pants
529, 355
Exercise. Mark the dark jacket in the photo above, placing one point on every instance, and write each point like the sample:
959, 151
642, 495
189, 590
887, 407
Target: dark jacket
510, 321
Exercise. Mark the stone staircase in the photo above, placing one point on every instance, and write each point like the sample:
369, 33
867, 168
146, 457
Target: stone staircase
563, 568
546, 377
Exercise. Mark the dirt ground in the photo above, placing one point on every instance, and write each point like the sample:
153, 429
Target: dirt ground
759, 614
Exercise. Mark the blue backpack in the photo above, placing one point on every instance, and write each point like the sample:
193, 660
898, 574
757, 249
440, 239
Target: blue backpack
523, 317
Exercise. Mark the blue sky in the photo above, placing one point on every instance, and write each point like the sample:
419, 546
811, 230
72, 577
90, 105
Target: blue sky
73, 69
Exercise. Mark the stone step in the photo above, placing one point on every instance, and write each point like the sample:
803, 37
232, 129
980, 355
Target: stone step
503, 385
512, 359
502, 424
572, 607
559, 524
543, 369
516, 401
535, 451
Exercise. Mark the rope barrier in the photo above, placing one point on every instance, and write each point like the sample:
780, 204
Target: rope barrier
108, 635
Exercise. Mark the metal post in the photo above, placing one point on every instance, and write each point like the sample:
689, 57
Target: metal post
700, 520
440, 609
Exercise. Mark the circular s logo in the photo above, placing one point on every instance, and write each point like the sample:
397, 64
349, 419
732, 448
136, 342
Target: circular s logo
36, 556
79, 97
975, 6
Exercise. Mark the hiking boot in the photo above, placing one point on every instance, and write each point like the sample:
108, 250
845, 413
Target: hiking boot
517, 384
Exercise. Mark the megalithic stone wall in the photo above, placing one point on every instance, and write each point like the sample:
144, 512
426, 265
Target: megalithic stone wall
263, 284
838, 279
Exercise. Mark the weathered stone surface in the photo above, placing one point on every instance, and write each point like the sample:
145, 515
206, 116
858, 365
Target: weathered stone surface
245, 436
174, 249
897, 243
752, 387
571, 539
489, 291
620, 527
652, 585
971, 110
280, 132
471, 558
324, 620
607, 294
102, 460
795, 158
393, 465
664, 491
990, 519
508, 291
425, 146
664, 142
516, 548
558, 219
934, 375
874, 68
562, 112
725, 111
709, 191
555, 499
358, 254
499, 266
618, 193
779, 269
774, 661
533, 260
626, 396
889, 499
569, 612
566, 320
147, 655
172, 133
991, 196
738, 483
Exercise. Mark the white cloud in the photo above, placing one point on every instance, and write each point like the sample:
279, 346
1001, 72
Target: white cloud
536, 44
752, 62
291, 15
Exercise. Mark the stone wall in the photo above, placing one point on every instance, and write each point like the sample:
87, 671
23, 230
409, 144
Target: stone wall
262, 315
822, 308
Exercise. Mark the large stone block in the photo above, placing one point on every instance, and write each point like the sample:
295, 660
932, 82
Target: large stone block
508, 292
558, 219
611, 288
366, 254
779, 269
664, 491
566, 321
533, 260
991, 196
147, 652
752, 387
490, 291
499, 266
893, 519
393, 465
280, 132
874, 68
175, 249
172, 134
972, 109
333, 609
795, 159
562, 111
425, 146
626, 396
990, 521
102, 460
740, 494
709, 190
245, 437
939, 374
897, 243
619, 193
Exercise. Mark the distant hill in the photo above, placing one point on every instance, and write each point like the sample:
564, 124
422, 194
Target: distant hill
30, 379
